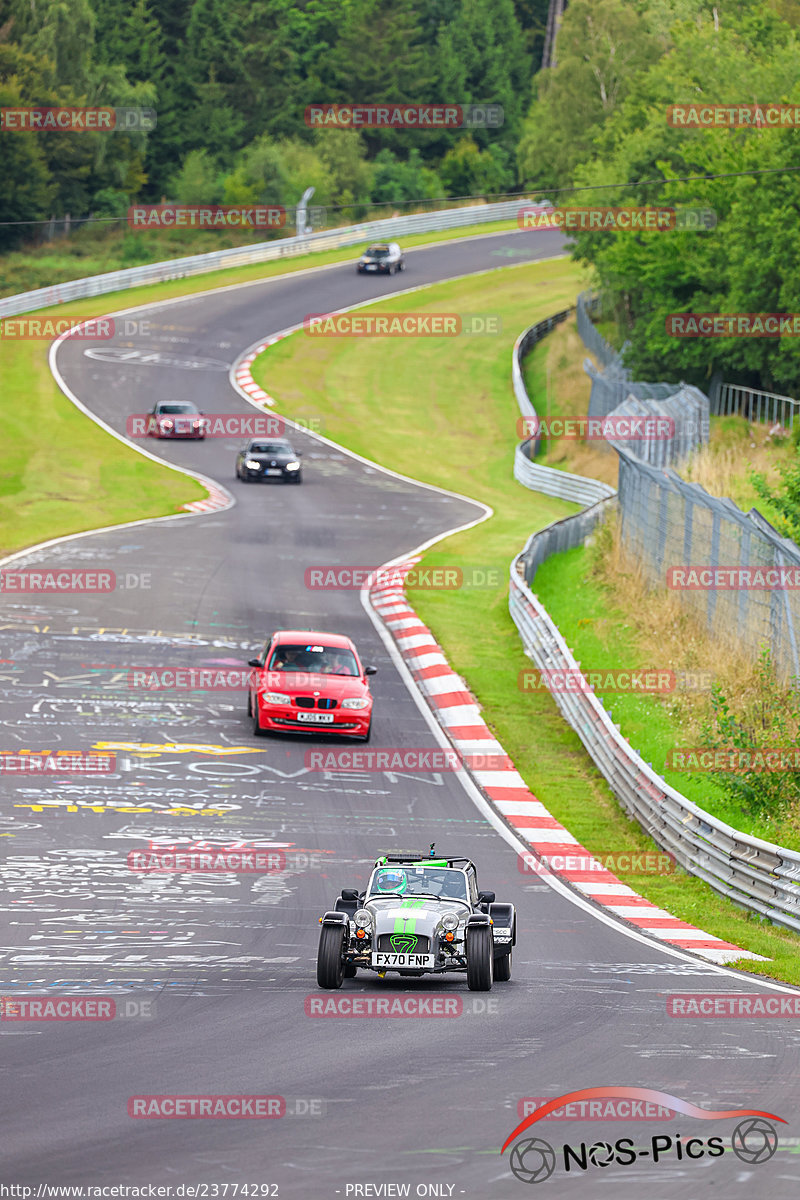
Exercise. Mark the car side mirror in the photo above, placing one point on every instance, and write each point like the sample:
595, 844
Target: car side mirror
349, 893
486, 897
254, 662
370, 670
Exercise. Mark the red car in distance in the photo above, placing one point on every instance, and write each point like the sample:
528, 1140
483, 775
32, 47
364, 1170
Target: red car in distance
310, 682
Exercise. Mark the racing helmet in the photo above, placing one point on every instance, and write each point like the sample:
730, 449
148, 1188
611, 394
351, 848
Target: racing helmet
391, 879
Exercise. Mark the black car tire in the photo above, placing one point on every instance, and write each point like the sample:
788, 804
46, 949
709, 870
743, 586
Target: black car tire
480, 958
401, 266
297, 479
249, 705
368, 734
502, 966
330, 965
258, 729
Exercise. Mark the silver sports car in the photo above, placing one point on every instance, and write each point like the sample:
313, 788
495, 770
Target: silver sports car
419, 915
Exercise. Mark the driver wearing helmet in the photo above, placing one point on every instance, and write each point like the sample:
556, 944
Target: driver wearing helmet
391, 879
453, 886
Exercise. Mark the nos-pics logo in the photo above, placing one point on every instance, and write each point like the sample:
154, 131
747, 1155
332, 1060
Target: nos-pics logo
533, 1160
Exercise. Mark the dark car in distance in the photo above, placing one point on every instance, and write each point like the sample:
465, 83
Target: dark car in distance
383, 258
269, 458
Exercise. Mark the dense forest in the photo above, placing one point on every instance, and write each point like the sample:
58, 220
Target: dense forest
230, 81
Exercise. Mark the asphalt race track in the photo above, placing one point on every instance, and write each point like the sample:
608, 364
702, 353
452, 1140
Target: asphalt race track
214, 971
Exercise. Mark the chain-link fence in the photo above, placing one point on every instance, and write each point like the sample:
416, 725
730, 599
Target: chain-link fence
613, 385
755, 405
724, 564
731, 568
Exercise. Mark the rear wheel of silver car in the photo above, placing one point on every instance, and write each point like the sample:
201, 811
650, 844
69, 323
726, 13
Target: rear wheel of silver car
502, 967
330, 967
480, 958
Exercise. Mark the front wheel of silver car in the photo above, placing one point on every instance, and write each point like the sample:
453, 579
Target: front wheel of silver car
330, 963
480, 958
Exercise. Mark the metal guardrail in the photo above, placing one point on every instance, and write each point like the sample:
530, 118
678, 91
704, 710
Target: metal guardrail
756, 874
577, 488
580, 489
239, 256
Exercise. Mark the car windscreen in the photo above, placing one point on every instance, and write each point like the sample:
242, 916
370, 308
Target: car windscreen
270, 448
447, 882
177, 408
313, 658
378, 252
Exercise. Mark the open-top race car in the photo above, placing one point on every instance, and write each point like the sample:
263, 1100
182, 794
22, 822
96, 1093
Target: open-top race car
419, 915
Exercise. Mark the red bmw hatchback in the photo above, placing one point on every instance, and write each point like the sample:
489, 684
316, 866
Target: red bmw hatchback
310, 682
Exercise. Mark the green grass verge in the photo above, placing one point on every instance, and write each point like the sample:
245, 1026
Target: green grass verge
59, 472
442, 411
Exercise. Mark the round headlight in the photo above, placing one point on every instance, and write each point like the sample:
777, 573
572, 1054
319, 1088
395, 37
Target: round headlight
450, 921
362, 919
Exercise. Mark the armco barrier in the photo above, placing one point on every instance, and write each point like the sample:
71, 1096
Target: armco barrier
577, 488
753, 873
200, 264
